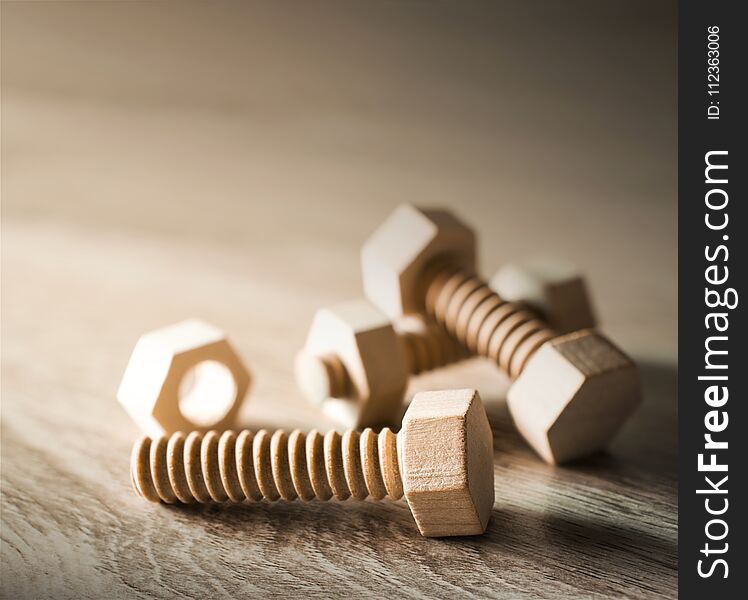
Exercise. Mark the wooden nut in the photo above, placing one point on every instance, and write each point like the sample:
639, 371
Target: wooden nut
353, 353
184, 377
446, 460
553, 288
322, 377
396, 254
574, 395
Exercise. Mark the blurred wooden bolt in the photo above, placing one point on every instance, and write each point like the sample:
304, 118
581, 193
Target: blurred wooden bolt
553, 288
544, 285
568, 400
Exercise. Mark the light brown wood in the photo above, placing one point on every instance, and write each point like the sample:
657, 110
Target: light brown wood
182, 377
146, 182
438, 283
395, 255
554, 288
446, 474
323, 377
426, 345
446, 456
355, 363
574, 395
225, 466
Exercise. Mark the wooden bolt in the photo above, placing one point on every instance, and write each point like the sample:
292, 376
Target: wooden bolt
441, 461
545, 286
182, 377
551, 287
356, 365
424, 261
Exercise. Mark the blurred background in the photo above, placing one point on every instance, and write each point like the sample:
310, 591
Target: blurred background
271, 127
226, 160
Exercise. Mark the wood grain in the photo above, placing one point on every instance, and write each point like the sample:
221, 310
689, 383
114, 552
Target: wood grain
148, 179
445, 447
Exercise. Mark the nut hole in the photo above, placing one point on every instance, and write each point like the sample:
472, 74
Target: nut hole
206, 393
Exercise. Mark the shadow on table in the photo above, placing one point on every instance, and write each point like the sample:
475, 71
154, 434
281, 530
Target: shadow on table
582, 547
587, 521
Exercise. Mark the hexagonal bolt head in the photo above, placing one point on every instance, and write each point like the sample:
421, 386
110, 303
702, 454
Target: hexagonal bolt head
574, 395
397, 253
553, 288
358, 338
445, 450
162, 365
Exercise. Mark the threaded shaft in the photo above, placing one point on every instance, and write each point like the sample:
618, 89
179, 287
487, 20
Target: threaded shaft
255, 466
427, 346
507, 333
339, 381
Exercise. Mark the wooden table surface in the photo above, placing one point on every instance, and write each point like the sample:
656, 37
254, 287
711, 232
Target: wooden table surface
227, 162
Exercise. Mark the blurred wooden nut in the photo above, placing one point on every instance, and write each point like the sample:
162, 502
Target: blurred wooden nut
353, 365
574, 394
356, 364
184, 377
553, 288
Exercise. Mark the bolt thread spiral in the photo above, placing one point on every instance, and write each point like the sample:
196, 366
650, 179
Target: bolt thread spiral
505, 332
266, 466
338, 379
429, 347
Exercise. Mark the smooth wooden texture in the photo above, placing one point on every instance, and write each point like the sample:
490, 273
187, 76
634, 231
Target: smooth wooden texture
426, 345
565, 412
332, 369
574, 396
395, 256
359, 364
446, 455
153, 390
554, 288
162, 164
425, 259
355, 364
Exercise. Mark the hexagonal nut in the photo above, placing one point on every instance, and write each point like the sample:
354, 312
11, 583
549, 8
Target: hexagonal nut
574, 395
184, 377
445, 450
354, 366
397, 253
552, 288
